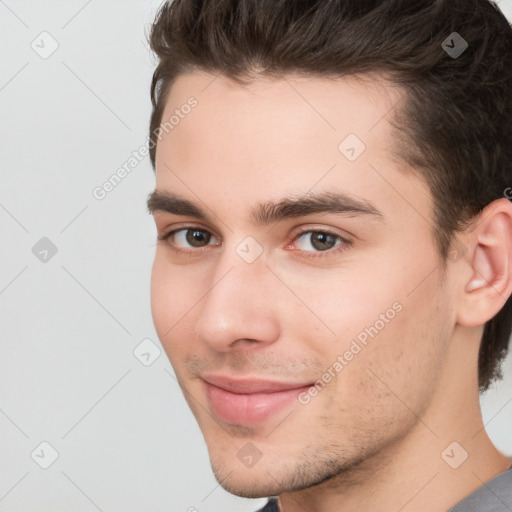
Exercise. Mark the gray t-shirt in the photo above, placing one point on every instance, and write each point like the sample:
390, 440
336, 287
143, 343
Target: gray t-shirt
494, 496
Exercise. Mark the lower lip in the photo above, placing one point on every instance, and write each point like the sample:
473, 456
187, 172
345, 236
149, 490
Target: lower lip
249, 409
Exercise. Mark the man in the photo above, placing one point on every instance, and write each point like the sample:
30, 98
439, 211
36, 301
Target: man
333, 271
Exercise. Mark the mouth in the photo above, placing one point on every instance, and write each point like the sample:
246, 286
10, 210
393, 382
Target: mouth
249, 401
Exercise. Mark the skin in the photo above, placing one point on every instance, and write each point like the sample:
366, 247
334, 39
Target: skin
373, 437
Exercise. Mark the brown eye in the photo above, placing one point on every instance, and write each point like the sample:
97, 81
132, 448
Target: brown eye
189, 238
318, 240
322, 241
197, 238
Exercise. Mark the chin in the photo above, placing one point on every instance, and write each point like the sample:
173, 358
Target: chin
246, 484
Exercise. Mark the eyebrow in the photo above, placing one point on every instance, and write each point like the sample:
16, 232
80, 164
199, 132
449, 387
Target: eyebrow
270, 212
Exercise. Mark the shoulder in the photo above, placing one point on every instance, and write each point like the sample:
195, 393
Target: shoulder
493, 496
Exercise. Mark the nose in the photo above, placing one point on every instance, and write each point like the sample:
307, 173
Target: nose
241, 307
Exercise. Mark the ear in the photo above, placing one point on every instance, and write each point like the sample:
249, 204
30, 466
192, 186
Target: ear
489, 241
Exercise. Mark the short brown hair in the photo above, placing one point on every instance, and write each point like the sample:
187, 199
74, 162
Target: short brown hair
454, 126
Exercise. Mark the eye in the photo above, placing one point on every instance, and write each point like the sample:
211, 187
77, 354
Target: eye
190, 237
320, 241
313, 243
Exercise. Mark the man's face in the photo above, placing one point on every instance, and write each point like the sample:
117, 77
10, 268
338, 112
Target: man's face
353, 299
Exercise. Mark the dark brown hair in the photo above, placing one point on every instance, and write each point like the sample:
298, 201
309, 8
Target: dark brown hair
454, 125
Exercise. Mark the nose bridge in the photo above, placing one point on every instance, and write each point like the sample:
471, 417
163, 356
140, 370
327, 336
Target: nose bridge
236, 305
241, 269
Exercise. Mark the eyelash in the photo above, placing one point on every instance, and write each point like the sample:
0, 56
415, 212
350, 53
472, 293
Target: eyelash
337, 249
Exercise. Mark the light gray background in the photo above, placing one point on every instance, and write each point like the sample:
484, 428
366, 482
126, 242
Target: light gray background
125, 438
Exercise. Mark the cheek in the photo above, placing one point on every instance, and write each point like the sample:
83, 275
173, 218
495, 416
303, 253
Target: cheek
391, 318
341, 306
174, 293
395, 374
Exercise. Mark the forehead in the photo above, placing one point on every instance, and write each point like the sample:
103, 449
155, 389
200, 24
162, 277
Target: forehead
284, 113
277, 136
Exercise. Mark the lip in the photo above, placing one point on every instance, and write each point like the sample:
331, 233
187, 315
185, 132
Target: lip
249, 386
249, 401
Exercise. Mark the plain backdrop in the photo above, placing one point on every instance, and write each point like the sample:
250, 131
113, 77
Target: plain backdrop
115, 434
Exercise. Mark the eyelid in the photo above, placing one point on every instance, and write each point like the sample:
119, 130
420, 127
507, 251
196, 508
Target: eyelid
301, 230
166, 234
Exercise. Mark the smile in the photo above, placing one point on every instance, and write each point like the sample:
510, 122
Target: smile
249, 402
